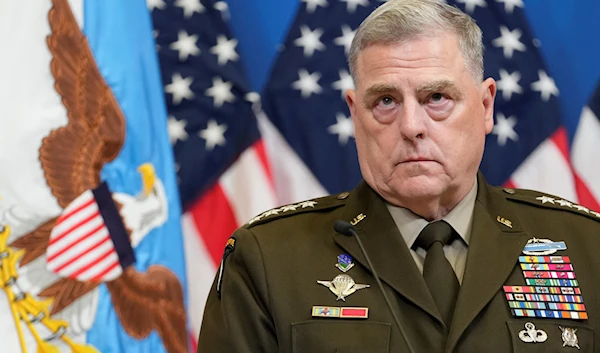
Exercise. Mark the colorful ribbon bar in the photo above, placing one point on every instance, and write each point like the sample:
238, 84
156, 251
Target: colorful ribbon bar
527, 305
546, 267
549, 274
552, 282
545, 298
545, 259
340, 312
549, 314
565, 306
542, 290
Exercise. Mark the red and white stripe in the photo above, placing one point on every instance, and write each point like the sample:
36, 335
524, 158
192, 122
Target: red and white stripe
80, 246
549, 169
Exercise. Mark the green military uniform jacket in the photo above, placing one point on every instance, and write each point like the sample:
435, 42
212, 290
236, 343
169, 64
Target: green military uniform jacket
262, 299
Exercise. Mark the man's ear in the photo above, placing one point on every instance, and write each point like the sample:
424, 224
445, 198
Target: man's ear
488, 94
351, 101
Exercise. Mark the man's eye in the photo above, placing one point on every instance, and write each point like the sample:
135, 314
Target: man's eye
386, 102
436, 97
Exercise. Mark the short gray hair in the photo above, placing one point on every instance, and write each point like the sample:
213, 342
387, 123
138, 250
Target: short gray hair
398, 21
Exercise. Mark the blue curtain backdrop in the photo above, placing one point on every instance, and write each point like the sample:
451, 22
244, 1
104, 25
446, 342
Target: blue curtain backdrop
568, 31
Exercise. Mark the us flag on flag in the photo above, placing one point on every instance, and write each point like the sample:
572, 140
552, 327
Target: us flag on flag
237, 158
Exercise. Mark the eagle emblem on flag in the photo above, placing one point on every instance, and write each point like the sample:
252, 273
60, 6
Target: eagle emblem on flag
89, 239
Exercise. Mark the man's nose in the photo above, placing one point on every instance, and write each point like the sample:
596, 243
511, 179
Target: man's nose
412, 121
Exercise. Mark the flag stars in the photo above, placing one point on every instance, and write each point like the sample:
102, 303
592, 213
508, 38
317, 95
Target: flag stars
344, 128
308, 84
505, 129
156, 4
545, 85
509, 84
509, 41
471, 4
176, 130
225, 50
509, 5
311, 5
185, 45
214, 134
344, 83
346, 39
220, 92
351, 5
310, 40
180, 88
190, 7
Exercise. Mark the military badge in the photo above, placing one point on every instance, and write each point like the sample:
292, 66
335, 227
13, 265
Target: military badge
569, 337
342, 286
531, 335
344, 262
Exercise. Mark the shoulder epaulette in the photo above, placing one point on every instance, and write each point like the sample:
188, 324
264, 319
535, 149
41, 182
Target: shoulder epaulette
540, 199
314, 205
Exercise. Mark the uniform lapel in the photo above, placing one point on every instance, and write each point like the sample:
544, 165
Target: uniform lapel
386, 248
493, 253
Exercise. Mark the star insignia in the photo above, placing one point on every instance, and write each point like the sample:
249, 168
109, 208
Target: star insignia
545, 199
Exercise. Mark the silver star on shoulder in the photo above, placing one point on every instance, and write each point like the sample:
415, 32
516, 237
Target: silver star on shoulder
344, 83
221, 92
190, 7
545, 85
307, 204
509, 84
308, 84
342, 286
351, 5
225, 50
311, 5
505, 129
176, 129
595, 213
545, 199
344, 128
156, 4
310, 40
509, 41
214, 134
346, 38
509, 5
581, 208
180, 88
564, 203
471, 4
185, 45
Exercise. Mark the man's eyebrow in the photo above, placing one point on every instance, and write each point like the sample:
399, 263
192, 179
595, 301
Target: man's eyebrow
440, 86
378, 89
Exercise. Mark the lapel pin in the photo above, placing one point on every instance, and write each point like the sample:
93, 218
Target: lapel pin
358, 218
531, 335
569, 337
342, 286
344, 262
504, 221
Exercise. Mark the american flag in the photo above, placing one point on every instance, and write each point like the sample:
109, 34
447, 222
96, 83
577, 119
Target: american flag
237, 157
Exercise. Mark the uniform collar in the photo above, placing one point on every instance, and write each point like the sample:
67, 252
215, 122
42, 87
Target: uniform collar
460, 218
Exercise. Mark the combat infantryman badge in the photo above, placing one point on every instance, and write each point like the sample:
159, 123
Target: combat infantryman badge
569, 337
344, 262
342, 286
531, 335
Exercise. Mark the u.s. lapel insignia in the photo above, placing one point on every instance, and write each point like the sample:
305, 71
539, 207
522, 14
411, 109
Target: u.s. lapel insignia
504, 221
569, 337
344, 262
358, 218
342, 286
531, 335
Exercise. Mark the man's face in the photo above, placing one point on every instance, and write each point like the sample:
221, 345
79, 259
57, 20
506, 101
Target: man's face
420, 119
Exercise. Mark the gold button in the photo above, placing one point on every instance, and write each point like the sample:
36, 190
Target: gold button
343, 195
510, 191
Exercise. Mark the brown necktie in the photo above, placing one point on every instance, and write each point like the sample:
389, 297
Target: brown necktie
437, 271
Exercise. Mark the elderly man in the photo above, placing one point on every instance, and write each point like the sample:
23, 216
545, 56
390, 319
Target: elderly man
449, 263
